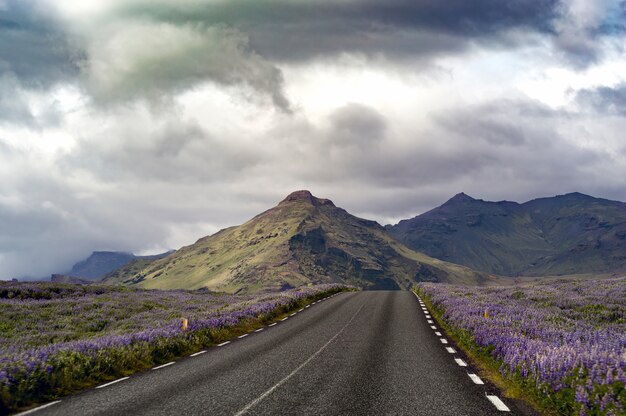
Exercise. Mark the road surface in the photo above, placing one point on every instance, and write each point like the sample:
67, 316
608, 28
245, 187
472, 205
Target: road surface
357, 353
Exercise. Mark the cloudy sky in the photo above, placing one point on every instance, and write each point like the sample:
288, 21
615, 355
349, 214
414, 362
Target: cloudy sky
142, 125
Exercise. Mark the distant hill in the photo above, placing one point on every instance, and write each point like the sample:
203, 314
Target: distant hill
565, 234
100, 263
302, 240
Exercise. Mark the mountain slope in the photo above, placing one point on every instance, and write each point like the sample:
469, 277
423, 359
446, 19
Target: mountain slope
302, 240
566, 234
100, 263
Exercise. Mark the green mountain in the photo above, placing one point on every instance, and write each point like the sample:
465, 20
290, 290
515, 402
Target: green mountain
566, 234
302, 240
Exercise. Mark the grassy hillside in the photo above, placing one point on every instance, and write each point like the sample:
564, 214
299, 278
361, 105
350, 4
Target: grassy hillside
567, 234
302, 240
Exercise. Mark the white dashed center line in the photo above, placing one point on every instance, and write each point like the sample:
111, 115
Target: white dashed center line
300, 367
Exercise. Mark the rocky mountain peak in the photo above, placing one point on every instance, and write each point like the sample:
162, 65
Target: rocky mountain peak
306, 196
460, 198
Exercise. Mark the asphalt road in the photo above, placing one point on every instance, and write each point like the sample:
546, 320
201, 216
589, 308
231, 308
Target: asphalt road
357, 353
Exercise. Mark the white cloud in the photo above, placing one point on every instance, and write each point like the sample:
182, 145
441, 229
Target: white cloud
133, 59
577, 29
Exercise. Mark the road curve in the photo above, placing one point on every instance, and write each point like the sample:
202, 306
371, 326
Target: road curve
357, 353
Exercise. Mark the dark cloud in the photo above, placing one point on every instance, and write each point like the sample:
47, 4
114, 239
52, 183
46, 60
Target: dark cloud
604, 100
125, 60
405, 29
34, 46
287, 30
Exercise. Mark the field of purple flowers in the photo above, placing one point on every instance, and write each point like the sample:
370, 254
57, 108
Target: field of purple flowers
57, 338
564, 341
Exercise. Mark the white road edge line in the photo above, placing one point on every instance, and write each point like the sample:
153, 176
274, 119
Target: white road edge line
198, 353
460, 362
113, 382
433, 327
37, 408
475, 378
300, 367
443, 340
273, 324
259, 330
307, 306
243, 336
164, 365
285, 318
293, 314
223, 343
429, 321
499, 404
438, 333
451, 350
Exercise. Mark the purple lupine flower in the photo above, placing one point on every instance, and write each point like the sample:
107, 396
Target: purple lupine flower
53, 318
561, 335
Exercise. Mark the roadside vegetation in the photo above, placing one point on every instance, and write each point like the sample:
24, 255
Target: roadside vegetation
57, 339
560, 344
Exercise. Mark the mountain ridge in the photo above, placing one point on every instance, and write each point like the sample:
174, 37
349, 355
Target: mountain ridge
100, 263
571, 233
301, 240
